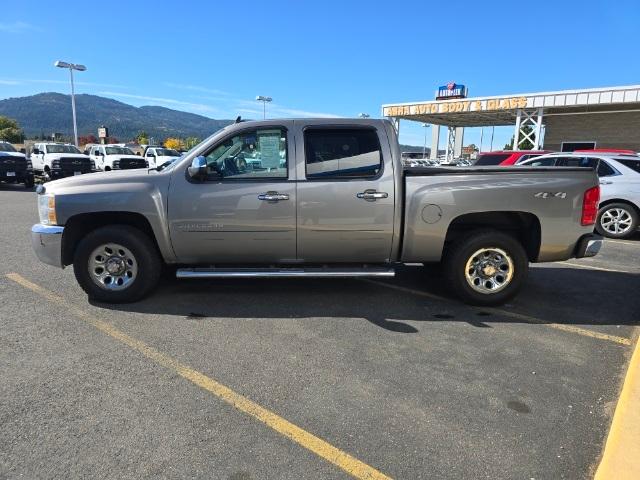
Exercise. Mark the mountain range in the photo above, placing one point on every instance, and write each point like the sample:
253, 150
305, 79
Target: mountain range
47, 113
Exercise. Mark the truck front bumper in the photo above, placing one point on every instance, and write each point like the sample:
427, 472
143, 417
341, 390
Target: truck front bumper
588, 245
46, 241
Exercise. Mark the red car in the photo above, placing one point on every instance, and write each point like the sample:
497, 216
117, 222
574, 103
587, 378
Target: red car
507, 157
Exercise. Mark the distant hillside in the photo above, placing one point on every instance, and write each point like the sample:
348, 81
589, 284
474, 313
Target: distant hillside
51, 113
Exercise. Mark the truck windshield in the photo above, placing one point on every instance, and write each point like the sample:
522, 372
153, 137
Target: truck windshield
166, 152
118, 151
6, 147
491, 158
62, 149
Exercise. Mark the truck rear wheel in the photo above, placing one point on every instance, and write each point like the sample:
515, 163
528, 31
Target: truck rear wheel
117, 264
486, 267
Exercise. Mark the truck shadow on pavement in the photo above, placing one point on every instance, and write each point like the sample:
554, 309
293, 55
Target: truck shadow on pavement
551, 295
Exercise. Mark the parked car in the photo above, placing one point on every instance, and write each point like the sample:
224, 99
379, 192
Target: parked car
156, 156
340, 205
619, 209
14, 166
59, 160
506, 157
115, 157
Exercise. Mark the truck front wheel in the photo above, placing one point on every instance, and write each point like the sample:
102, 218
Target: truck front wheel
117, 264
486, 267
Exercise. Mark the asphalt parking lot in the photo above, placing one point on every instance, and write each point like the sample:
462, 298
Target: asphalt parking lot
404, 379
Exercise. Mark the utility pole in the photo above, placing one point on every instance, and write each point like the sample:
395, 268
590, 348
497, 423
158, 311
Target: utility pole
72, 67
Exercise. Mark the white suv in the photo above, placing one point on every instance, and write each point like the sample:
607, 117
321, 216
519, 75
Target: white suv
115, 157
619, 187
58, 160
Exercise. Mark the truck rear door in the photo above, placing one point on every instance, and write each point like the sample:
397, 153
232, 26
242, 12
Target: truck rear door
345, 193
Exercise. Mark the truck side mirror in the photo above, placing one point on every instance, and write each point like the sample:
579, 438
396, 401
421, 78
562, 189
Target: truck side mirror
198, 168
36, 151
151, 154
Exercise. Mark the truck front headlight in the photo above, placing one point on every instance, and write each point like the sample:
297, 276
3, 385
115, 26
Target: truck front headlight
47, 209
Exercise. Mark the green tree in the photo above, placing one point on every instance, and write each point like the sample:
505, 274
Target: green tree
191, 142
142, 138
10, 130
526, 144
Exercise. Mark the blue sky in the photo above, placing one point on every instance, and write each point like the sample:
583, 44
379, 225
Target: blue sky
329, 58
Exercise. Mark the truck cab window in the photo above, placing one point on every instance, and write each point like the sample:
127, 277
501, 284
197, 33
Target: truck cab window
342, 153
250, 155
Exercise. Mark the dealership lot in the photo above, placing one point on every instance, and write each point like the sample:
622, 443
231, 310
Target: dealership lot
407, 381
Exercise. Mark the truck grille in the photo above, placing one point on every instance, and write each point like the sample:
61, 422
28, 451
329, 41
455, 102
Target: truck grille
71, 165
8, 164
129, 163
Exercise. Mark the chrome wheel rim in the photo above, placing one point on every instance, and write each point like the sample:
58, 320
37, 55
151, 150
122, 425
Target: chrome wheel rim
112, 267
616, 221
489, 270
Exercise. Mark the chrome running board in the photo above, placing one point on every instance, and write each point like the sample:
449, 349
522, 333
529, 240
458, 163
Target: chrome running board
309, 272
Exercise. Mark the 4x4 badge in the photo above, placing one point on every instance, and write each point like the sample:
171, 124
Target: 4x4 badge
551, 194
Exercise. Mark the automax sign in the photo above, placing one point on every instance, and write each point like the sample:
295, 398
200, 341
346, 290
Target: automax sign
451, 90
455, 107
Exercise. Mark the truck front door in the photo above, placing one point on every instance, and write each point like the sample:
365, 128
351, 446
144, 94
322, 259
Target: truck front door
245, 211
346, 194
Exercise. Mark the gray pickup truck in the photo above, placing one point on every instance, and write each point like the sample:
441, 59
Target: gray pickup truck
313, 198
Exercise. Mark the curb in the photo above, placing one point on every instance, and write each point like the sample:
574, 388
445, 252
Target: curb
621, 457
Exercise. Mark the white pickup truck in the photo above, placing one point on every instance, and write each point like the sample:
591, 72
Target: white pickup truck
59, 160
115, 157
157, 156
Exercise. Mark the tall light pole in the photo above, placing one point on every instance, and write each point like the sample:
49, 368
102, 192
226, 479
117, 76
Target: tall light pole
364, 115
72, 67
424, 148
264, 100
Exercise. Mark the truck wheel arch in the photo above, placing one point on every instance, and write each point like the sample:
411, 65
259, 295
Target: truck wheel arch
524, 226
78, 226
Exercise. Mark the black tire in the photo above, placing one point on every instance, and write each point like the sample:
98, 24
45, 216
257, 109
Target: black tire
147, 260
612, 210
29, 182
465, 249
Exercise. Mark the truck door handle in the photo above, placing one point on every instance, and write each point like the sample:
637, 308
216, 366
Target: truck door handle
371, 195
273, 196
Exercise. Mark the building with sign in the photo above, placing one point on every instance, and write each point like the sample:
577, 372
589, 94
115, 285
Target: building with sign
564, 120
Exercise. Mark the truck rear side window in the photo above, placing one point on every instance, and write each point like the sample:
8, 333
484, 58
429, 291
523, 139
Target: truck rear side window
342, 153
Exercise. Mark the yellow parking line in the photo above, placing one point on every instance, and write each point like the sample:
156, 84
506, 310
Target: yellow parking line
519, 316
323, 449
621, 457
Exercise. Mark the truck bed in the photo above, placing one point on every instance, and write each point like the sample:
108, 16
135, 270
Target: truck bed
546, 199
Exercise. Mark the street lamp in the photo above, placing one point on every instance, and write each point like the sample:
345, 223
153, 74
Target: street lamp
72, 67
264, 101
364, 115
424, 149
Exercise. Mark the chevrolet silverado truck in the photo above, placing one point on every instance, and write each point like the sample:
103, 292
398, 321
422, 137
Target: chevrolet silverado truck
327, 198
115, 157
14, 166
59, 160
